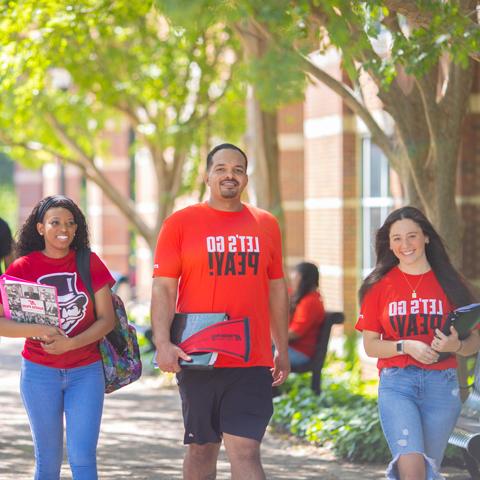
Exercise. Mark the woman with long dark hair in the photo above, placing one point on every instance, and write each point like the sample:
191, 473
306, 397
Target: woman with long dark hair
306, 313
404, 305
63, 374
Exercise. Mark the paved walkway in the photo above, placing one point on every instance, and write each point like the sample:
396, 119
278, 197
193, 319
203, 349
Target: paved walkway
141, 438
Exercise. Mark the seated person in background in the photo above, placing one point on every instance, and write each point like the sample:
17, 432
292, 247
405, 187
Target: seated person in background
306, 314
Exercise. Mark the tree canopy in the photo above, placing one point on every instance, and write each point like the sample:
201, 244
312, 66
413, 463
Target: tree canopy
170, 70
70, 72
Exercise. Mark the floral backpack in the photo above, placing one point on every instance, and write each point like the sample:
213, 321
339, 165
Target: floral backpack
119, 348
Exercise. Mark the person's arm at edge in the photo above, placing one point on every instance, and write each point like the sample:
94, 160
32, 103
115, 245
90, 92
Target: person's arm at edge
164, 296
103, 324
8, 259
470, 345
279, 329
292, 336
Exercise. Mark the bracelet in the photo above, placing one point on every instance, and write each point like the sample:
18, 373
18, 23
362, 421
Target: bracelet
460, 347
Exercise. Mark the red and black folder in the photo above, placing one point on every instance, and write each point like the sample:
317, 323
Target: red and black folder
204, 335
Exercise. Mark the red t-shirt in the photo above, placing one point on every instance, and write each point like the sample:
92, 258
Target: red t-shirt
224, 262
389, 309
306, 321
76, 308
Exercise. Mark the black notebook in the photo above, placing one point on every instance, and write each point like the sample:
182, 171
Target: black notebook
464, 319
184, 325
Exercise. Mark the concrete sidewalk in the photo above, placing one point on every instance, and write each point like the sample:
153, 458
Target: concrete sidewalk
141, 438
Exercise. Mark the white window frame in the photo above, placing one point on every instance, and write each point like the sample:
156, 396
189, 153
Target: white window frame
384, 201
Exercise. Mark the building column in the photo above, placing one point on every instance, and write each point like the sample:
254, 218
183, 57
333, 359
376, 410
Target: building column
292, 182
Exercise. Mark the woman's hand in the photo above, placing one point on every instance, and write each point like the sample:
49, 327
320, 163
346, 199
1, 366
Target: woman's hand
44, 333
47, 331
57, 344
446, 343
420, 351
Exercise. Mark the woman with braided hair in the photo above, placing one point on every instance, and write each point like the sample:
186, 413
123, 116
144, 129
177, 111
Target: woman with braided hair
62, 375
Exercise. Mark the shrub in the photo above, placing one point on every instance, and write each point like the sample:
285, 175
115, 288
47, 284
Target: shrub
340, 418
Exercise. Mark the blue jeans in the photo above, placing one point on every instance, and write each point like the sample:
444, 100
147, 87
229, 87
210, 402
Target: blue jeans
297, 358
418, 411
49, 393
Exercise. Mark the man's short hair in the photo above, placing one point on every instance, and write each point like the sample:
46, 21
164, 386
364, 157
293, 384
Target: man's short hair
225, 146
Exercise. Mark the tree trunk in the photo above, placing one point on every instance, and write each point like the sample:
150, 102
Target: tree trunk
263, 156
444, 211
261, 136
258, 184
410, 192
429, 130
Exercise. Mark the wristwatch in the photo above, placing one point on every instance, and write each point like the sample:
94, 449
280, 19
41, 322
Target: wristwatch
399, 346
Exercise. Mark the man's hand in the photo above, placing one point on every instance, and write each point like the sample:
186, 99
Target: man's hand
420, 351
281, 368
168, 355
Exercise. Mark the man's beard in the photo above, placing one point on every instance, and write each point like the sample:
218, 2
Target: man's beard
229, 192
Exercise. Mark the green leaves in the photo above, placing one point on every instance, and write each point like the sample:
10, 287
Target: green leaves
278, 78
369, 35
69, 72
339, 417
72, 75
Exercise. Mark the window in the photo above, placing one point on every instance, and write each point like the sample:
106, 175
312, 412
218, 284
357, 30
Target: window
376, 199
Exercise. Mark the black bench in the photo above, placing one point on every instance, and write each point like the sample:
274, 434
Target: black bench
315, 365
466, 433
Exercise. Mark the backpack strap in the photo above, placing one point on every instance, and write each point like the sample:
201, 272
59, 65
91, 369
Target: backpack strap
83, 268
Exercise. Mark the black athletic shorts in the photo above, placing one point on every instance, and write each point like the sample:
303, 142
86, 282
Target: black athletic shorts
237, 401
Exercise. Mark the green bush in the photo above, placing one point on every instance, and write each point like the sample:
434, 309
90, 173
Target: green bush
340, 418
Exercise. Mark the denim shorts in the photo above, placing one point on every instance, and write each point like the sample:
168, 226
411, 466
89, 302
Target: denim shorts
418, 411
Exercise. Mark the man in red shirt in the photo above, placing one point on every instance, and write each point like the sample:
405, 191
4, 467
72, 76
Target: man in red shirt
223, 256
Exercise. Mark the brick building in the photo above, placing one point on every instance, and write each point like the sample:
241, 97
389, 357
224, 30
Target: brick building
336, 184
